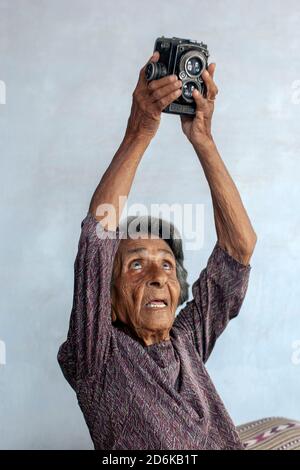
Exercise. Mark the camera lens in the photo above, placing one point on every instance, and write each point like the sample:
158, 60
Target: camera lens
155, 70
188, 88
194, 66
193, 63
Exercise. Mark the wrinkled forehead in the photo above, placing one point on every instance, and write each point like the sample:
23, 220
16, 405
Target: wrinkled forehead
146, 246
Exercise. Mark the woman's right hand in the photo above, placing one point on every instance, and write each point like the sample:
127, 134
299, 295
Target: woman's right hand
148, 101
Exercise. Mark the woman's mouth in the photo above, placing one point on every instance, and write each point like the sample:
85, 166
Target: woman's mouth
155, 303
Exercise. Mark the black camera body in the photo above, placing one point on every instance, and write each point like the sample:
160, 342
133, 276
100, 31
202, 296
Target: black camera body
185, 58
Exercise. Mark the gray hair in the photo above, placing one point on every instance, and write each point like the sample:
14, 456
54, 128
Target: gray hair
168, 232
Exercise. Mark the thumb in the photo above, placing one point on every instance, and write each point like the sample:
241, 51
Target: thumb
200, 101
155, 56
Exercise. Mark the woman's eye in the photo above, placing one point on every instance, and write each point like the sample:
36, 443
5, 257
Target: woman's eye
136, 265
167, 265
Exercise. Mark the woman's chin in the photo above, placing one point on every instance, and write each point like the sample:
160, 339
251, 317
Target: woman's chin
157, 320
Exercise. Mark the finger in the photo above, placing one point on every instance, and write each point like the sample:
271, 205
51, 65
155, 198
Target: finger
161, 82
163, 102
211, 69
166, 90
154, 58
211, 87
199, 99
142, 77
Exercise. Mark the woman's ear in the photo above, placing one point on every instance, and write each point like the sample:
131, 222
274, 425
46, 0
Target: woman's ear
113, 315
113, 293
113, 310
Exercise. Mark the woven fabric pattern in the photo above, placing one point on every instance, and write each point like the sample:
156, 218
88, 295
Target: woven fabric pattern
271, 434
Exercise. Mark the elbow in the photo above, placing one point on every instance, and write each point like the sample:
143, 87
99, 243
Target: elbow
251, 242
247, 247
240, 246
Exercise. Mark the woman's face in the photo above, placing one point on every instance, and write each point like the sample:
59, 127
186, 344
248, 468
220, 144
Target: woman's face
146, 289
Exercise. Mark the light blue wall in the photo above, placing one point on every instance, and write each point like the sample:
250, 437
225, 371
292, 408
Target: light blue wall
70, 67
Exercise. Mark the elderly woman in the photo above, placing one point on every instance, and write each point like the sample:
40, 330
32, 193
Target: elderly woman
138, 371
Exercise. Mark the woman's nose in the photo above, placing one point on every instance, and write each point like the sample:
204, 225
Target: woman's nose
157, 278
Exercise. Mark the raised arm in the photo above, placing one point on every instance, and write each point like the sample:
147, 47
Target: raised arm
111, 193
219, 291
234, 230
148, 102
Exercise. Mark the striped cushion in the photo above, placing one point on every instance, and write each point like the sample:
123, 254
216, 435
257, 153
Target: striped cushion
270, 434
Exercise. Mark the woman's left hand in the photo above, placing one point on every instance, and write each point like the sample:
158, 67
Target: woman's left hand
198, 128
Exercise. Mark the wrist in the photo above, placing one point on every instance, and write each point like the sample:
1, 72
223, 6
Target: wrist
137, 137
205, 146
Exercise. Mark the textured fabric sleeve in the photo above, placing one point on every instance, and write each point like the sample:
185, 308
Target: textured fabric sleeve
218, 295
90, 326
